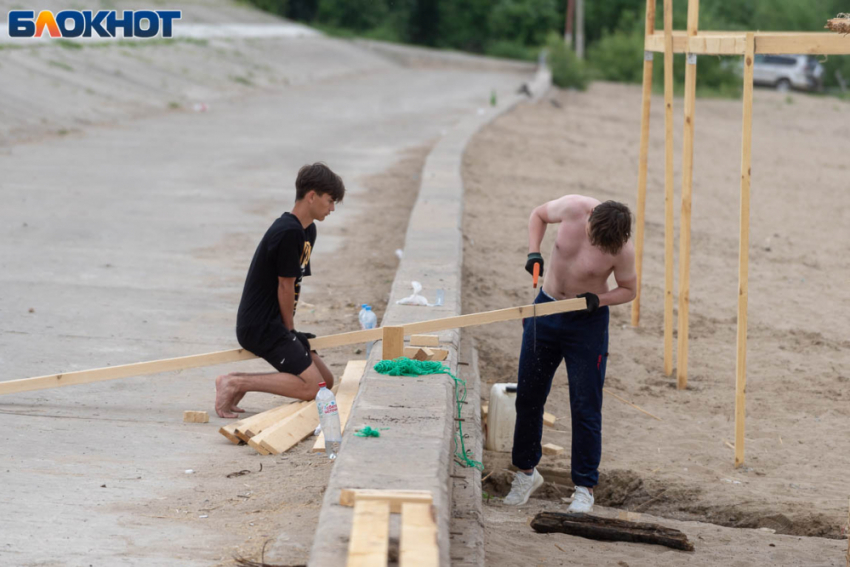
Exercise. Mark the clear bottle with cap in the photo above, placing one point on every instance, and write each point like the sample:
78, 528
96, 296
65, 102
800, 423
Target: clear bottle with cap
368, 320
329, 420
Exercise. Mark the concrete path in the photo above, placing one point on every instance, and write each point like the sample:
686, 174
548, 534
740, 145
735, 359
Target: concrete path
127, 243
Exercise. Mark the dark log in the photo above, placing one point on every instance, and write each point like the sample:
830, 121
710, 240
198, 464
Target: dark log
605, 529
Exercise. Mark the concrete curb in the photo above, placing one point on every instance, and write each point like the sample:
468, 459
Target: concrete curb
416, 451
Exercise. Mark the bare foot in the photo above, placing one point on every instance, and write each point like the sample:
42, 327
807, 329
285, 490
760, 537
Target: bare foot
234, 407
225, 394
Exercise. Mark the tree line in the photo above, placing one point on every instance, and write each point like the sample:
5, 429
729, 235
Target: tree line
519, 28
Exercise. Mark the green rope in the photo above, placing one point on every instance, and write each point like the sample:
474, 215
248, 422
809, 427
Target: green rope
368, 432
403, 366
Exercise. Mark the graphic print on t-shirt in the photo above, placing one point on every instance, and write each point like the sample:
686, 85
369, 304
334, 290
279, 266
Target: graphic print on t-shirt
305, 261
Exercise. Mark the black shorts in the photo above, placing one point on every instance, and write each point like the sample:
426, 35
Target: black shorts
277, 346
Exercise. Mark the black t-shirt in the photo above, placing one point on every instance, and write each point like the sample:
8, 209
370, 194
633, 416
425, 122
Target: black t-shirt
283, 252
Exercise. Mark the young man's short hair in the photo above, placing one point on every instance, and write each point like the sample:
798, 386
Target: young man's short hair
319, 178
610, 226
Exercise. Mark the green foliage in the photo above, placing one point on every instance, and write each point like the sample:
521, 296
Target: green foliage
523, 21
618, 57
567, 70
518, 28
356, 15
68, 44
512, 50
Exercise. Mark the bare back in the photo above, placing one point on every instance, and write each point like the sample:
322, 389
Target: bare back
575, 265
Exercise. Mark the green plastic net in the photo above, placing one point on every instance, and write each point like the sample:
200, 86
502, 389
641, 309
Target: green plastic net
404, 366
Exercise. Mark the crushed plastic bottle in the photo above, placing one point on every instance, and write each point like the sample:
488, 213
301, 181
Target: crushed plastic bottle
329, 420
368, 320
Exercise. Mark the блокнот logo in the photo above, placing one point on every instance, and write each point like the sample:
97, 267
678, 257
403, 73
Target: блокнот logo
85, 23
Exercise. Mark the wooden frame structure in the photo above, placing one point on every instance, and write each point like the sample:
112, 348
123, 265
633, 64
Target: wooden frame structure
693, 42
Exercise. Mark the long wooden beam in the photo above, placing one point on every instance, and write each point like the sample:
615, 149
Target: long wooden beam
734, 43
744, 254
643, 160
687, 198
669, 190
329, 341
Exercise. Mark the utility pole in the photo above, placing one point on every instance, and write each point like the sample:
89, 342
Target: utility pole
568, 28
580, 29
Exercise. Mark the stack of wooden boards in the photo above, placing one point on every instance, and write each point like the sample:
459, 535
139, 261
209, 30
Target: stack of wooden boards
278, 430
368, 545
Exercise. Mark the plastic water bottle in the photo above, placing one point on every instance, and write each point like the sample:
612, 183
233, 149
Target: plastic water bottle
329, 420
368, 320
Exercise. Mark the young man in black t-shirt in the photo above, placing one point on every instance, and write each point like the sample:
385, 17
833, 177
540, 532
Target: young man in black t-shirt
265, 323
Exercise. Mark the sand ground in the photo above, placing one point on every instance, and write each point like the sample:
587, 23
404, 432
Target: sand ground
794, 479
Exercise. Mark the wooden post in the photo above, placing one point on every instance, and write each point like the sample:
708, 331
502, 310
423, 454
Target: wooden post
743, 252
393, 343
668, 187
642, 160
580, 29
687, 190
568, 27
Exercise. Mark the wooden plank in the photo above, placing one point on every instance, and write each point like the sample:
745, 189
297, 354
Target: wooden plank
424, 353
229, 431
812, 43
609, 529
424, 340
123, 371
288, 432
368, 545
668, 187
552, 449
643, 159
487, 317
253, 425
687, 198
393, 343
412, 352
418, 545
744, 253
734, 43
348, 496
437, 354
190, 416
349, 385
235, 355
254, 444
549, 419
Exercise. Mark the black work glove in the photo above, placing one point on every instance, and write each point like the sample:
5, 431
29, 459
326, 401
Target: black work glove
304, 338
592, 301
534, 258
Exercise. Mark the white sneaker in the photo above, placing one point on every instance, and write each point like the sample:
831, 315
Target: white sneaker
523, 487
582, 501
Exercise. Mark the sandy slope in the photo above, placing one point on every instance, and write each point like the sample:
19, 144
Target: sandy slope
798, 450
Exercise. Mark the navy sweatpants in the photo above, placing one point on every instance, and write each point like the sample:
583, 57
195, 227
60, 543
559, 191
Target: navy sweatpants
580, 338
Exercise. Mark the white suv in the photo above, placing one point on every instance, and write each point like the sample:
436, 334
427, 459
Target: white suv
784, 72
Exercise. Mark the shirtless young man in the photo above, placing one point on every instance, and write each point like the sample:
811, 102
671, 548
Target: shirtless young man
265, 323
592, 242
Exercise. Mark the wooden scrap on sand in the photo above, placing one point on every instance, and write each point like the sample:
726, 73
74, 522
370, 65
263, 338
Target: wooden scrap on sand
190, 416
609, 529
